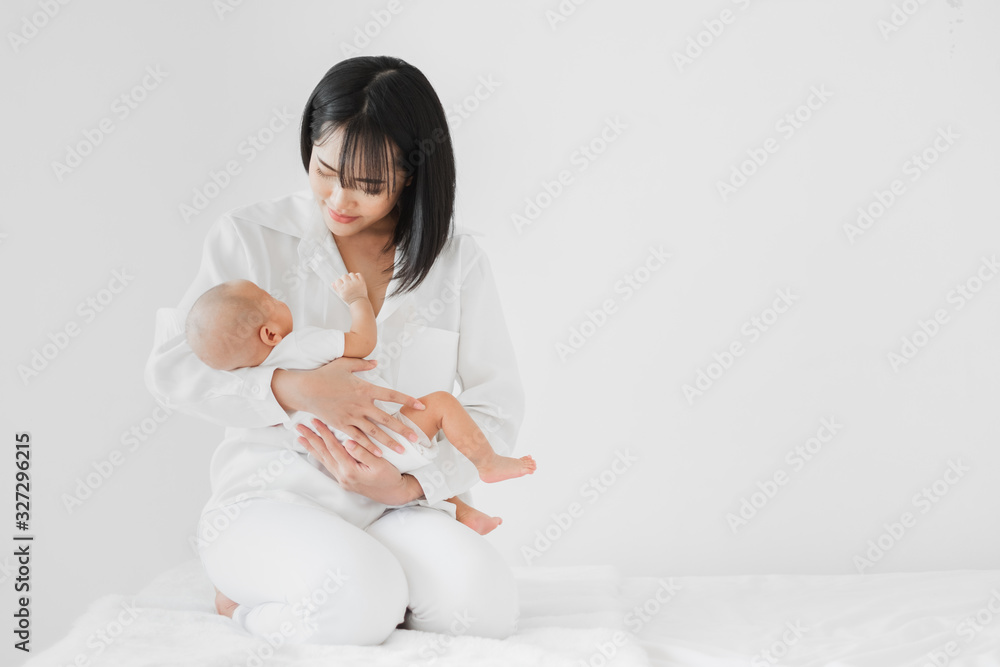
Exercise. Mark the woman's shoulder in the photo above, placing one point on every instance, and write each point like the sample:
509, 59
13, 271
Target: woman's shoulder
466, 250
295, 214
464, 241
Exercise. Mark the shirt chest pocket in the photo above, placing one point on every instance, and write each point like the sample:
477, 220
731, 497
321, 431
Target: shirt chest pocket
428, 360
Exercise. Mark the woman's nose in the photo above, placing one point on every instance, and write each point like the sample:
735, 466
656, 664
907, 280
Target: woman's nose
340, 198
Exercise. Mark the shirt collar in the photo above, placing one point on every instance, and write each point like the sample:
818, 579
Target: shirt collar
298, 215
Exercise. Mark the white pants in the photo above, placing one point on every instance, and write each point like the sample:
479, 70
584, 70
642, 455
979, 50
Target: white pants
303, 575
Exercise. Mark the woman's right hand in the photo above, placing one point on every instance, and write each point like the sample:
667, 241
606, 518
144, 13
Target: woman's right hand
356, 470
344, 401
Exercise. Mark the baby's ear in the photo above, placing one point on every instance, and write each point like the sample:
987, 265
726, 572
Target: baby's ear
270, 336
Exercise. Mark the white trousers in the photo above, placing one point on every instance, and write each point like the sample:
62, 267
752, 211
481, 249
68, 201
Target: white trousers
303, 575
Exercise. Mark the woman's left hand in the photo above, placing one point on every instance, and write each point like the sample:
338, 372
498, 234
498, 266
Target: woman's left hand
358, 470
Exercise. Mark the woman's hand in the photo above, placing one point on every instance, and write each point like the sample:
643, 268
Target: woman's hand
356, 470
344, 401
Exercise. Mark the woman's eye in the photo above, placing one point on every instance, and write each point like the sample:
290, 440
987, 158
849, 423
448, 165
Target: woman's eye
320, 173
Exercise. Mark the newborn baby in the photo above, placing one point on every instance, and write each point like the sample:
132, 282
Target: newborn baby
237, 324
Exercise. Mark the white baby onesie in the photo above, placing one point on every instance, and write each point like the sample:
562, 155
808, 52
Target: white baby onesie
309, 347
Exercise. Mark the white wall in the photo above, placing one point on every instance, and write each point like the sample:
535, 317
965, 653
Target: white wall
620, 396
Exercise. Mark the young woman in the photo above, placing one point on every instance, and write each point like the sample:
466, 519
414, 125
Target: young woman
344, 549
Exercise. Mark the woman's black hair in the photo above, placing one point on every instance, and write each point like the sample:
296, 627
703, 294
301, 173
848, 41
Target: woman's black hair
379, 98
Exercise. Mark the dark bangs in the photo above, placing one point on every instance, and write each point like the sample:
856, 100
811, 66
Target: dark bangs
367, 162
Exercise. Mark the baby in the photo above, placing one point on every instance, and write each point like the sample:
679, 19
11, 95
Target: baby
237, 324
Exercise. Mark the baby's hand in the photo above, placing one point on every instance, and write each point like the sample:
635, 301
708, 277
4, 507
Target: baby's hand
351, 287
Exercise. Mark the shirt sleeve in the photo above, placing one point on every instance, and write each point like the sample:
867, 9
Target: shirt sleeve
492, 392
176, 377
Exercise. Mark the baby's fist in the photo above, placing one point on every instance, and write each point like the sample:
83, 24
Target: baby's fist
350, 287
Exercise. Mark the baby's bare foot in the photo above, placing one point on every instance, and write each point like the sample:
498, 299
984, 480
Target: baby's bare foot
478, 521
223, 605
500, 468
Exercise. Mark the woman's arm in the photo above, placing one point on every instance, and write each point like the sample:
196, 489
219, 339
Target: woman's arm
258, 396
492, 392
175, 376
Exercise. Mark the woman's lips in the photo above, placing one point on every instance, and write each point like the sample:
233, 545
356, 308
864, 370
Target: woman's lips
340, 218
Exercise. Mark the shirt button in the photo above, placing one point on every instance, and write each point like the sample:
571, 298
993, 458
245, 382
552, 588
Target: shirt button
256, 389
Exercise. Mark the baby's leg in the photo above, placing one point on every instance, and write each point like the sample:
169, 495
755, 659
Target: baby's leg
445, 413
478, 521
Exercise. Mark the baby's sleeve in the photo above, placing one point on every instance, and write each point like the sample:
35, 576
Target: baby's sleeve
315, 346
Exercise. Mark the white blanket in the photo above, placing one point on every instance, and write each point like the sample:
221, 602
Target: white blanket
567, 616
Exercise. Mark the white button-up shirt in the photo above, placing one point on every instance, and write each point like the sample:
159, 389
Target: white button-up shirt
449, 329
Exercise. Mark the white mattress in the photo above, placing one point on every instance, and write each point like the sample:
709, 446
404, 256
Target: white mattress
593, 616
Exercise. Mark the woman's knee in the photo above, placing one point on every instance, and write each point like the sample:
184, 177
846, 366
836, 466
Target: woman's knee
329, 580
479, 599
359, 602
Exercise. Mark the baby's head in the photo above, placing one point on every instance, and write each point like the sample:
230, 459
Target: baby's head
236, 324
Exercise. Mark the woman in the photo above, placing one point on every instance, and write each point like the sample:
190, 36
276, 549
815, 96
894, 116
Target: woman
319, 549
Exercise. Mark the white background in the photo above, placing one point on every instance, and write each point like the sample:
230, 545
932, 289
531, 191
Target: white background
655, 184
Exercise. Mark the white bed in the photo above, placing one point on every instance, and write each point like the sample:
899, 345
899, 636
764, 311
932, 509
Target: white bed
593, 616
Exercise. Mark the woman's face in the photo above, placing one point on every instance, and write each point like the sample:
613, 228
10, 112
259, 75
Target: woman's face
349, 212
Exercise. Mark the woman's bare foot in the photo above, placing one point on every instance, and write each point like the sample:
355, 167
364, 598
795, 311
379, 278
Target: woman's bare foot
223, 605
500, 468
478, 521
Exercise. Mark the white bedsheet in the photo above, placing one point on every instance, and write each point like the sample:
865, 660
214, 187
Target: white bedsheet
591, 616
567, 614
872, 620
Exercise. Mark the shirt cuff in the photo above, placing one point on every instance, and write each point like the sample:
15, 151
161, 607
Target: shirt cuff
257, 387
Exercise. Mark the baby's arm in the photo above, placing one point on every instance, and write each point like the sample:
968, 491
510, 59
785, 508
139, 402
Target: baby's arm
360, 340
